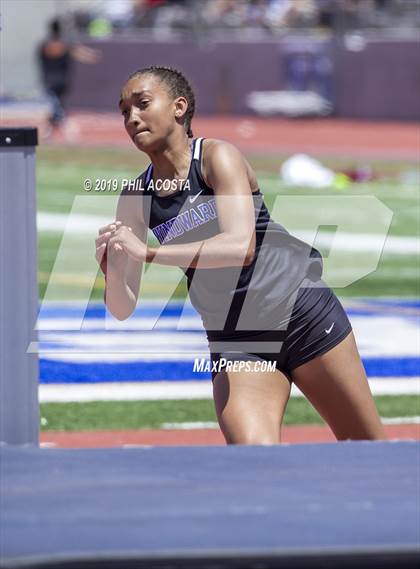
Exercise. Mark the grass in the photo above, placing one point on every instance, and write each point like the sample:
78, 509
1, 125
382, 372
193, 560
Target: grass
60, 175
126, 415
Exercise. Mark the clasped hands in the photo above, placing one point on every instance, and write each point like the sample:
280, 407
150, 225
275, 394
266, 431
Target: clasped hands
116, 238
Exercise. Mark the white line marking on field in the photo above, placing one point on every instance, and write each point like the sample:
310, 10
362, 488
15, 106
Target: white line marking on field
60, 341
395, 386
137, 446
125, 391
172, 390
344, 241
191, 425
57, 222
400, 420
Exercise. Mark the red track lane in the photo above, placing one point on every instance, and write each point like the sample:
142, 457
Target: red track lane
180, 437
316, 136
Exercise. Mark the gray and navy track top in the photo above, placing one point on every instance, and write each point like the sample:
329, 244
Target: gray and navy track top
229, 298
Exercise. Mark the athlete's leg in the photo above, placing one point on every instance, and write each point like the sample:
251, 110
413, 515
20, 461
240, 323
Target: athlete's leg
336, 385
250, 405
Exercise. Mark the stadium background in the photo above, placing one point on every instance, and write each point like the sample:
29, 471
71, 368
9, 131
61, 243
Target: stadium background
336, 80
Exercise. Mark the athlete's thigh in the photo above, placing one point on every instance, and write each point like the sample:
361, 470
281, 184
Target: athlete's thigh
250, 405
336, 385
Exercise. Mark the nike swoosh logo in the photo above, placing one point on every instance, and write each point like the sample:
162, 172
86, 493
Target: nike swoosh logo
327, 331
193, 198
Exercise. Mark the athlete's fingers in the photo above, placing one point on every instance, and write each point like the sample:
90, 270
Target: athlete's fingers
114, 245
115, 225
110, 227
105, 228
100, 248
100, 252
104, 238
121, 229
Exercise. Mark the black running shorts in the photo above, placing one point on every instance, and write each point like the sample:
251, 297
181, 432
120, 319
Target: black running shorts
315, 323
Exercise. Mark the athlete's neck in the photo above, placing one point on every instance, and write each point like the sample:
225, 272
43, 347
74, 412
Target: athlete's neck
173, 161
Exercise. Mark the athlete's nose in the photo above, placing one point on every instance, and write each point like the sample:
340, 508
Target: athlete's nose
133, 119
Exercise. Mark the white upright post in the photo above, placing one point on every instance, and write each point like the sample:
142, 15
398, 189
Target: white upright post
19, 409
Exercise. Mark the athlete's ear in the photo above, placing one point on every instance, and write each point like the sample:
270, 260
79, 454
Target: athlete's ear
180, 107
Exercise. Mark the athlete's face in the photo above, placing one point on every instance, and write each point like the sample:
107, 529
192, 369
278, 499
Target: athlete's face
148, 110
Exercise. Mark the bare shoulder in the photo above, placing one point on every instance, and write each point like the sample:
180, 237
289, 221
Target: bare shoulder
214, 148
220, 155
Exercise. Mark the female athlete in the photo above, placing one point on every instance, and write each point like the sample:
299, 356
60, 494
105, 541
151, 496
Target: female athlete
257, 288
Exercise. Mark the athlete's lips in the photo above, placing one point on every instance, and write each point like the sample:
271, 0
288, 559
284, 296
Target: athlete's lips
140, 132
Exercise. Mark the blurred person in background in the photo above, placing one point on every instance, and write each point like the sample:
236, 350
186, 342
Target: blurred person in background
162, 15
119, 13
256, 13
292, 13
145, 12
55, 58
224, 13
174, 15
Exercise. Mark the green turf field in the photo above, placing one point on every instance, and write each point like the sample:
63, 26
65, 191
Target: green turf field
119, 415
60, 175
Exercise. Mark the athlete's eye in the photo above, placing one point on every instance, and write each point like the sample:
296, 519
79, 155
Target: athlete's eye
143, 103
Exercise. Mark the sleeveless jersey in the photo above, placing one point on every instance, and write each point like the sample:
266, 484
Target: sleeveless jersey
229, 298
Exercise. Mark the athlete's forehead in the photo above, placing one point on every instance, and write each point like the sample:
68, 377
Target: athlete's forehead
141, 85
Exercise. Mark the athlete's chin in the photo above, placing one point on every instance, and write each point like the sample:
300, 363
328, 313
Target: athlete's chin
148, 143
143, 142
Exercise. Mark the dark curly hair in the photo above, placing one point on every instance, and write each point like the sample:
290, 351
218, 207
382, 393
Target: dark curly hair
178, 86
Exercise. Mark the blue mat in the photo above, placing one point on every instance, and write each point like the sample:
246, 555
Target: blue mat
349, 503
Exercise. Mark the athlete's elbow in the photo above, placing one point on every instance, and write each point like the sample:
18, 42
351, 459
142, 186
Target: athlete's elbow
119, 314
241, 249
248, 250
247, 253
249, 257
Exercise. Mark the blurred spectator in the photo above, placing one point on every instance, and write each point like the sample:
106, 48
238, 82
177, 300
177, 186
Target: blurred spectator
224, 13
145, 12
55, 58
119, 13
256, 13
175, 15
162, 17
293, 13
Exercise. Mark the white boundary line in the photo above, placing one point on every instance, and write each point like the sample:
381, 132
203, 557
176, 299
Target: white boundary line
344, 241
158, 390
401, 420
213, 425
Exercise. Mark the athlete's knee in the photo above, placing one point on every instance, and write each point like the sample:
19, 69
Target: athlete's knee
253, 438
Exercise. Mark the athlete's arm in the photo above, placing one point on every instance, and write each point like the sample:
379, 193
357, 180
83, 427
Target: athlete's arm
226, 173
123, 272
